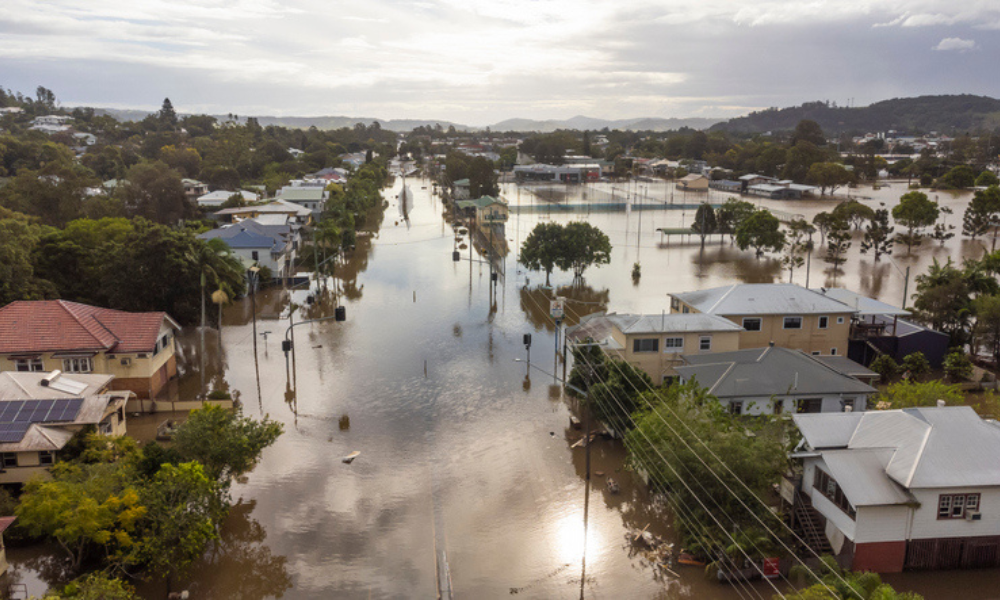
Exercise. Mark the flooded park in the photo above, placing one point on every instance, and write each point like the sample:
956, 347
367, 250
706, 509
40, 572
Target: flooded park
468, 484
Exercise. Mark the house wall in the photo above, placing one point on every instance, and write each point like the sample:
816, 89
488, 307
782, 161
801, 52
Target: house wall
810, 338
660, 364
880, 557
827, 509
927, 525
764, 405
883, 523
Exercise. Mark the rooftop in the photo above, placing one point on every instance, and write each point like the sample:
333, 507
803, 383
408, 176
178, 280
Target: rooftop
762, 299
767, 372
930, 447
59, 325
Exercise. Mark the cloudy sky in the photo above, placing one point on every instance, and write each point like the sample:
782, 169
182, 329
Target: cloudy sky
480, 61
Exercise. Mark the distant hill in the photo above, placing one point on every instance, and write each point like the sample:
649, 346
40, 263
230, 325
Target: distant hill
581, 122
406, 125
920, 115
327, 122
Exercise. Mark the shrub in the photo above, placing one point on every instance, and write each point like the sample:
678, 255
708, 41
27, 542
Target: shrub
885, 366
916, 363
957, 365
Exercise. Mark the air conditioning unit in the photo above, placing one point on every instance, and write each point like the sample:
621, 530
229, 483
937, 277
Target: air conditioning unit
126, 362
973, 515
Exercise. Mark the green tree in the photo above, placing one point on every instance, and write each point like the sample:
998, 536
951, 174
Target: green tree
226, 443
704, 223
822, 222
542, 248
983, 214
762, 232
961, 176
18, 279
828, 175
614, 399
836, 584
987, 328
583, 246
916, 364
878, 235
957, 365
82, 508
797, 244
854, 213
943, 299
183, 507
167, 117
808, 131
885, 366
914, 211
95, 586
678, 423
731, 214
838, 242
154, 191
987, 179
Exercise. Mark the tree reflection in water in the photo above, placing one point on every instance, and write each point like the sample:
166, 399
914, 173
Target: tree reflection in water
237, 566
581, 300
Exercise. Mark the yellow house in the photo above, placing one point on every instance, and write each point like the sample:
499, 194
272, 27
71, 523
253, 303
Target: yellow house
40, 413
787, 315
488, 209
48, 335
5, 522
655, 343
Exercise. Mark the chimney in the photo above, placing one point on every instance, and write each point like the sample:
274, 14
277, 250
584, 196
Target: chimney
940, 403
848, 408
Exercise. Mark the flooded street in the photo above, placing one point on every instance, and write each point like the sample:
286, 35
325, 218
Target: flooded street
467, 485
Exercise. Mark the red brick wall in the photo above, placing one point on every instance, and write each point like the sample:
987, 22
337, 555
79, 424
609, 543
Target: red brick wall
880, 557
138, 385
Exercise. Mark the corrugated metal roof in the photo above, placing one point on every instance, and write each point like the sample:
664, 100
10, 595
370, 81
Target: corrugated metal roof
932, 447
762, 299
861, 474
27, 386
766, 372
672, 323
848, 367
864, 305
827, 430
301, 194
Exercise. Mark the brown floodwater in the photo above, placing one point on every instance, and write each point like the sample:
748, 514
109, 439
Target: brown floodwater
467, 485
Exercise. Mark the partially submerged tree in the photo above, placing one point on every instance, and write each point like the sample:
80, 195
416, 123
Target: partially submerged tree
762, 232
915, 211
542, 248
583, 246
704, 223
878, 235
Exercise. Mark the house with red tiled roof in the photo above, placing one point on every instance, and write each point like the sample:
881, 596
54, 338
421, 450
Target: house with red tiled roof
138, 349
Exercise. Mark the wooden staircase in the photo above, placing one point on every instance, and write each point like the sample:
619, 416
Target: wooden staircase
809, 525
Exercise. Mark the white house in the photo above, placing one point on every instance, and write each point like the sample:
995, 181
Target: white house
313, 198
917, 488
271, 246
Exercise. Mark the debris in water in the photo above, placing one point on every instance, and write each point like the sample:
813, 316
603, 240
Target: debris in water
552, 433
613, 486
350, 457
599, 473
318, 346
345, 422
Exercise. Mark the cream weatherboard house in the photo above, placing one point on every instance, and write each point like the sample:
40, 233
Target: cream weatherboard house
655, 343
783, 314
138, 349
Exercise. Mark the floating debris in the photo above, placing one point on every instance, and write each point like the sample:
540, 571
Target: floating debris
350, 457
345, 422
613, 486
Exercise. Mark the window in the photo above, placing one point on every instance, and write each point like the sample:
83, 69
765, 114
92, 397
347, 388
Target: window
646, 345
9, 459
778, 406
675, 305
254, 255
28, 364
793, 323
736, 408
77, 365
815, 352
809, 405
673, 344
956, 506
752, 323
829, 487
46, 458
824, 322
840, 320
686, 310
162, 343
705, 343
833, 352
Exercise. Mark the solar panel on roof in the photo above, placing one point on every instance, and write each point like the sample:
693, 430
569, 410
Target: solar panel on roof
16, 416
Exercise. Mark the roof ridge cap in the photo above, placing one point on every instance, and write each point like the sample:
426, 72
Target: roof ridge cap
723, 297
65, 305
